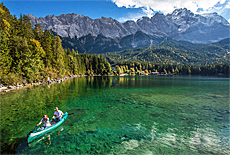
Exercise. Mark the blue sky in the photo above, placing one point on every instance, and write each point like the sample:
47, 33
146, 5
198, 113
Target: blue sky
121, 10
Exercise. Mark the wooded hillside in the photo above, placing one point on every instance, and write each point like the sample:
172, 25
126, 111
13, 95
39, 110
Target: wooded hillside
31, 54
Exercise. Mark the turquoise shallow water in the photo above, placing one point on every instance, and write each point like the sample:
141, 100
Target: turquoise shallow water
122, 115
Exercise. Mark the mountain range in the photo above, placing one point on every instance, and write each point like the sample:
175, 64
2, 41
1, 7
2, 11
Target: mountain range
106, 34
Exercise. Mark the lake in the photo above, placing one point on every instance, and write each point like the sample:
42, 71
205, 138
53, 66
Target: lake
122, 115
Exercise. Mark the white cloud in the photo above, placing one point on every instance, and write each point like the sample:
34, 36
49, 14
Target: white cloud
131, 16
229, 20
168, 6
148, 11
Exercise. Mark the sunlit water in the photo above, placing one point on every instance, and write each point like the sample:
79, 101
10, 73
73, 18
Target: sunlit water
122, 115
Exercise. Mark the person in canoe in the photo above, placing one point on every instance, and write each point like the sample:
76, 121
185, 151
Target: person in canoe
57, 113
46, 122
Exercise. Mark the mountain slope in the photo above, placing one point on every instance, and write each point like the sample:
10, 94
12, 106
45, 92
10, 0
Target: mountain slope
101, 44
182, 24
225, 43
175, 52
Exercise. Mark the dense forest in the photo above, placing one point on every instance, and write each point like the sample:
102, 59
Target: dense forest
136, 68
174, 57
177, 53
31, 54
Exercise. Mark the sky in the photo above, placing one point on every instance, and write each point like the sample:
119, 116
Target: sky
121, 10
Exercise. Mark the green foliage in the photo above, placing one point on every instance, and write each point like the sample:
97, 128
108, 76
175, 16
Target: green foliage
32, 55
145, 67
176, 52
177, 57
10, 78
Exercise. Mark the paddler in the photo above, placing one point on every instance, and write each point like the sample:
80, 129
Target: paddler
57, 113
45, 119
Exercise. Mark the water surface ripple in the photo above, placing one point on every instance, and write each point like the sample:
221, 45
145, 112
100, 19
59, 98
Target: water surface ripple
122, 115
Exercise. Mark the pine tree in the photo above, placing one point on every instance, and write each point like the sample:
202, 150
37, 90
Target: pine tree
38, 32
47, 46
58, 53
28, 33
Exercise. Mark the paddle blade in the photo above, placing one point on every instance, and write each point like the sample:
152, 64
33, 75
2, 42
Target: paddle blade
31, 131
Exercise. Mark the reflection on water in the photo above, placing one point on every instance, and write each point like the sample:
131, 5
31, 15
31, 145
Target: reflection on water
45, 140
124, 115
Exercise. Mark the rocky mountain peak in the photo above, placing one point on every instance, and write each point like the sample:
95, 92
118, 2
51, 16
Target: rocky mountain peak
157, 16
104, 18
31, 16
182, 12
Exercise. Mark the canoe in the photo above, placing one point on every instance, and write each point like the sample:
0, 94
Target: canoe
43, 138
38, 133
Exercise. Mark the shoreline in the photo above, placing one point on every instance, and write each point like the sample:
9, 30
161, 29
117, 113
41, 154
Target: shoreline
4, 90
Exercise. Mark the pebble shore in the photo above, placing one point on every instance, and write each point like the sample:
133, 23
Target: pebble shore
4, 89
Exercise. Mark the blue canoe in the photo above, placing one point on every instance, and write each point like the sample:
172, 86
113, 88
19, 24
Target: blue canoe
38, 133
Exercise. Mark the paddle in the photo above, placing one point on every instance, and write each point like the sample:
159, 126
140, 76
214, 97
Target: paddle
31, 131
68, 114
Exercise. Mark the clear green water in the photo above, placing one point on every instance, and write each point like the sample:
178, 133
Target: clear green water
122, 115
